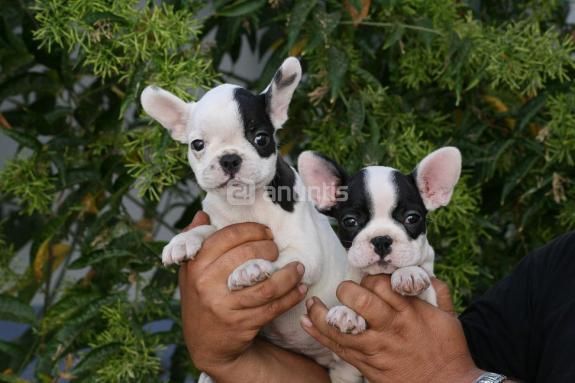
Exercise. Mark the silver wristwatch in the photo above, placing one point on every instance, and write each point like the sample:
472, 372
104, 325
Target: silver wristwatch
490, 377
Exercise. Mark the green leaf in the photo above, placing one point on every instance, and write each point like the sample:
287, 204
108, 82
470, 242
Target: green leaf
394, 36
356, 114
517, 176
100, 256
530, 110
297, 18
23, 138
95, 359
11, 309
336, 70
9, 348
93, 17
241, 8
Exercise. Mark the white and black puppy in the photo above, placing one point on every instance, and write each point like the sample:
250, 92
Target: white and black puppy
381, 215
233, 153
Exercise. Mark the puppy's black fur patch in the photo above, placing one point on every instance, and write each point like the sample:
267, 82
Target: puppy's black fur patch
282, 82
408, 200
281, 189
256, 120
358, 205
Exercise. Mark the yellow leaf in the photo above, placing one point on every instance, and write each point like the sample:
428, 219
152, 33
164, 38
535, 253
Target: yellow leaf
298, 47
357, 17
500, 107
89, 204
57, 252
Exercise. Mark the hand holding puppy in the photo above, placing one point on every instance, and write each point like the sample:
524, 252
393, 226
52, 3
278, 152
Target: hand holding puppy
407, 339
220, 325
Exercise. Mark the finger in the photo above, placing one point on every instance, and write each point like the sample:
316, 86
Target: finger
380, 285
317, 312
229, 237
371, 307
200, 218
444, 301
237, 256
348, 354
264, 314
279, 284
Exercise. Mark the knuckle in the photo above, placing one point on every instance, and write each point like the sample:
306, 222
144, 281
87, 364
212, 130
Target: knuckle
363, 302
266, 290
274, 307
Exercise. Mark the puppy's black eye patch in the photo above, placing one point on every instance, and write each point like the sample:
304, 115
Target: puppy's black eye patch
257, 125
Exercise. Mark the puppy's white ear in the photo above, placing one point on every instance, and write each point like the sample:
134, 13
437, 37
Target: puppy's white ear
280, 91
168, 110
323, 179
436, 176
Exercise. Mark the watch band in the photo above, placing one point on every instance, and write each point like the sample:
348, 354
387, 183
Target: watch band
490, 377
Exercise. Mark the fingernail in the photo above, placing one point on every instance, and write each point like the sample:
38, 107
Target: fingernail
302, 288
305, 321
300, 269
309, 303
269, 233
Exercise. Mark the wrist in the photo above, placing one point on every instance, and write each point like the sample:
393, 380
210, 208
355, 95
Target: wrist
245, 364
460, 370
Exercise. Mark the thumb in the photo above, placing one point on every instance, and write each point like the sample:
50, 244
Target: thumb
200, 219
444, 300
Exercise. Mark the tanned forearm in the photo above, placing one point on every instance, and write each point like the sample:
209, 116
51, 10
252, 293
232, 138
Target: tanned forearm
265, 362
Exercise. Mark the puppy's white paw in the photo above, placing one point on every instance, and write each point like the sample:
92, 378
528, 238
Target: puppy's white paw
250, 273
346, 320
412, 280
185, 245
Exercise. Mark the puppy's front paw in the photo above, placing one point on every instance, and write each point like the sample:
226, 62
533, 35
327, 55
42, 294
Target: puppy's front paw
250, 273
185, 245
346, 320
412, 280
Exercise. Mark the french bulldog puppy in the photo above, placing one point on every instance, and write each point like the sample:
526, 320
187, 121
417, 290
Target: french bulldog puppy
233, 151
381, 215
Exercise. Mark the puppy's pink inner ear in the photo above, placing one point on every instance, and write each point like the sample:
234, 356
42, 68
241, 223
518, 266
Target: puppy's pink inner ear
320, 179
437, 175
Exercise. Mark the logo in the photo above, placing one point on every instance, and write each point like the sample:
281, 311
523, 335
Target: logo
240, 193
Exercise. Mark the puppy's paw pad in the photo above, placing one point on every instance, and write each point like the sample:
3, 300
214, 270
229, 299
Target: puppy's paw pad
346, 320
182, 247
250, 273
410, 281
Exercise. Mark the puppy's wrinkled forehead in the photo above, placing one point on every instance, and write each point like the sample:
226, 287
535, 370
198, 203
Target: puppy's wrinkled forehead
229, 111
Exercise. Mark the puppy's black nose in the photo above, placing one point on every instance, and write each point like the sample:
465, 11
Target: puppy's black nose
230, 163
382, 245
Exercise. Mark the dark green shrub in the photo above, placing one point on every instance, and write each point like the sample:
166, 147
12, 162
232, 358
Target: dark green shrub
386, 82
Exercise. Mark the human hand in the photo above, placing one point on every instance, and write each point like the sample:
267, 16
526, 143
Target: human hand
407, 340
220, 325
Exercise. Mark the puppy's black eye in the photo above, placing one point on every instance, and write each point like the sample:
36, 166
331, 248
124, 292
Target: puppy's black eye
262, 139
412, 218
350, 222
197, 145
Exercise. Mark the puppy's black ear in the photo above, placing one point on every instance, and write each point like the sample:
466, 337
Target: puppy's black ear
168, 110
436, 176
323, 179
280, 91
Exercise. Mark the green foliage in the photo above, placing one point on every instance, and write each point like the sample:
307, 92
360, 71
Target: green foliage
35, 187
386, 82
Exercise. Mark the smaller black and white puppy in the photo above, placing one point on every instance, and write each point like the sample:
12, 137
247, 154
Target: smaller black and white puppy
381, 215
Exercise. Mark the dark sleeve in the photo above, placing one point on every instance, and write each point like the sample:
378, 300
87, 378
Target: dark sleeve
524, 327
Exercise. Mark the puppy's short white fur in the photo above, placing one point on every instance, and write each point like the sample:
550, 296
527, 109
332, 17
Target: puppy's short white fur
233, 153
